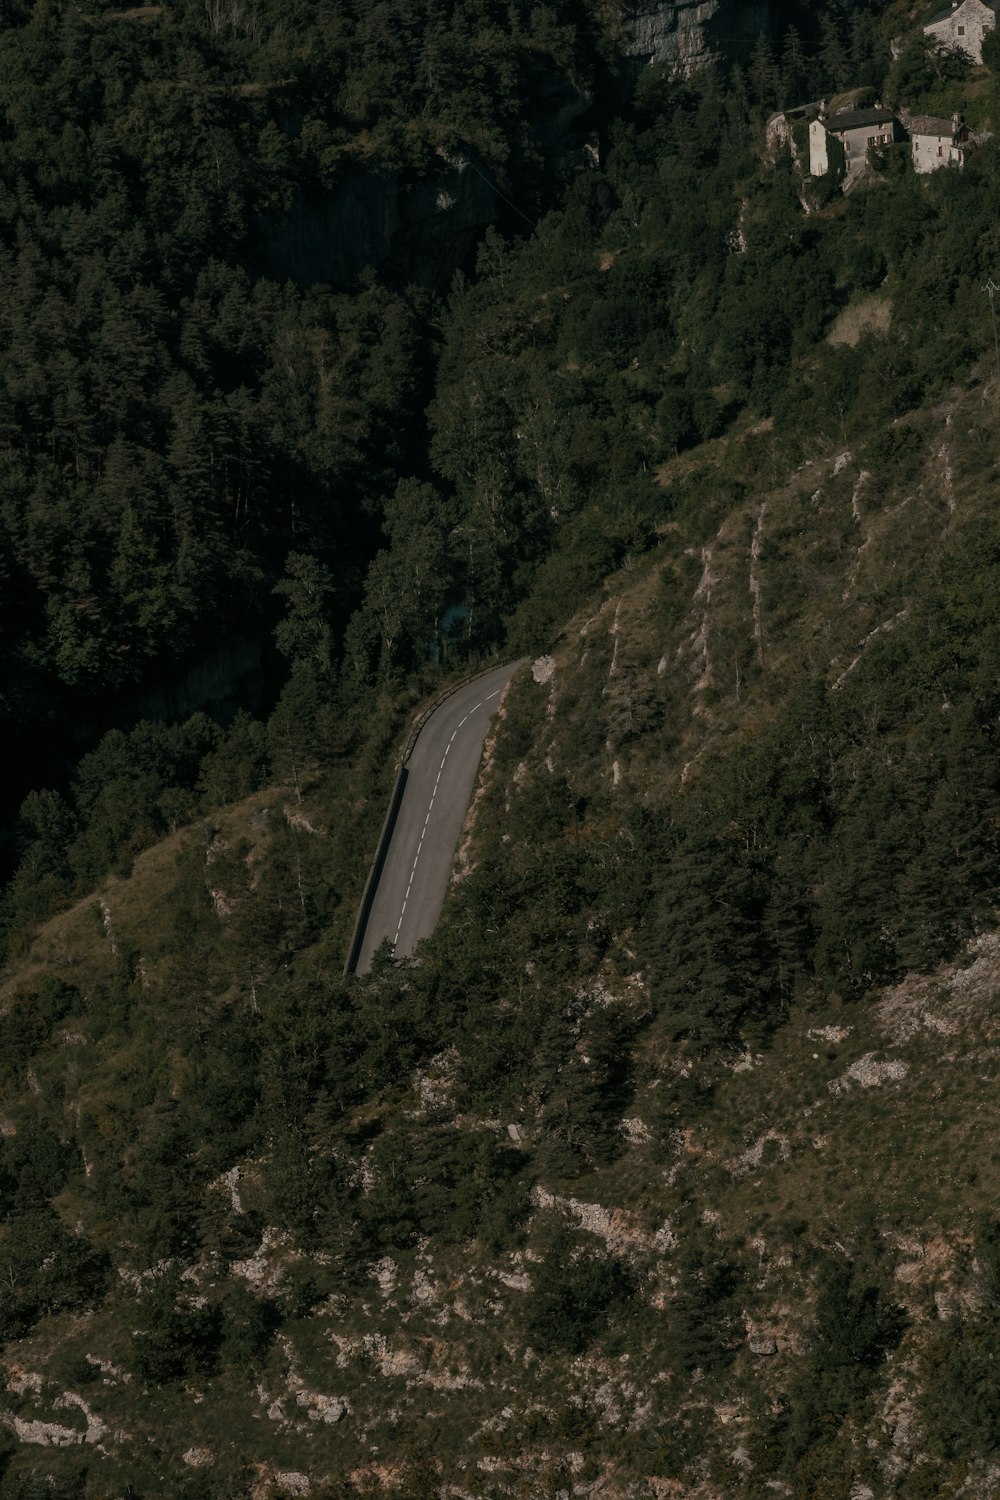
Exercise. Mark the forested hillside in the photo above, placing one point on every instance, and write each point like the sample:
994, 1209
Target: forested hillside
175, 422
664, 1168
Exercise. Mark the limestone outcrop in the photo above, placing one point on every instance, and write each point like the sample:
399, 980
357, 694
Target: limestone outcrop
689, 33
422, 231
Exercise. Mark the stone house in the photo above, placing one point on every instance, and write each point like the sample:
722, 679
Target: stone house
936, 143
780, 129
857, 130
961, 26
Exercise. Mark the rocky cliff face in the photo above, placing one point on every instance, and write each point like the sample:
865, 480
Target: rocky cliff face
417, 233
689, 33
422, 232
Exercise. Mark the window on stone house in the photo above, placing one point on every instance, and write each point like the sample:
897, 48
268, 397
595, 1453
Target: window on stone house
961, 31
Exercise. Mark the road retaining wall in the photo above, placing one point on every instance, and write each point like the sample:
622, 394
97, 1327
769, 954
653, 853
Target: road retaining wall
395, 802
374, 874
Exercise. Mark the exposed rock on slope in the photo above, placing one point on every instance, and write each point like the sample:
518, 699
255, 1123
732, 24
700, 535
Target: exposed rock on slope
690, 33
614, 1262
419, 231
422, 231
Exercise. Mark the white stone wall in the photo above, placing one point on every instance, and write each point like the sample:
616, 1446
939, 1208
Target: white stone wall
933, 151
964, 29
819, 161
856, 142
856, 145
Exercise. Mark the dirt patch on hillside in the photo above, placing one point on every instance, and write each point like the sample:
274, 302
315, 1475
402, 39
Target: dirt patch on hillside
871, 315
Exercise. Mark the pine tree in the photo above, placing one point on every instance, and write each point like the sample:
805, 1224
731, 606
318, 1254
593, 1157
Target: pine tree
763, 75
304, 635
833, 62
794, 69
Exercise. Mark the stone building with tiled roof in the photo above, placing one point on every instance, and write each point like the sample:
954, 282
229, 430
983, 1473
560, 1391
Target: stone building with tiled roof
857, 131
936, 142
962, 25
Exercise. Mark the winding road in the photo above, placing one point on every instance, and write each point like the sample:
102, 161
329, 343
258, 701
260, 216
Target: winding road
439, 777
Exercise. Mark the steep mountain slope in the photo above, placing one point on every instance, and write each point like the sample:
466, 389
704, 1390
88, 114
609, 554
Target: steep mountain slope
177, 418
663, 1170
663, 1167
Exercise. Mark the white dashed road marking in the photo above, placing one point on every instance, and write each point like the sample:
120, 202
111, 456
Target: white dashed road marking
430, 809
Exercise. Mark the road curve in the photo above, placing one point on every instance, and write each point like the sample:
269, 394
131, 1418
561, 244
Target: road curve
441, 773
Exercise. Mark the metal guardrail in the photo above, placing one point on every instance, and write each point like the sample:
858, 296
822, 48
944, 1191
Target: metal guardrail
375, 872
443, 697
395, 801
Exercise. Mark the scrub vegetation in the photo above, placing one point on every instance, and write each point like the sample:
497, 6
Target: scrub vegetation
665, 1165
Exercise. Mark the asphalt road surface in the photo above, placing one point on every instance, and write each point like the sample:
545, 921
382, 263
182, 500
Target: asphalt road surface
441, 775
